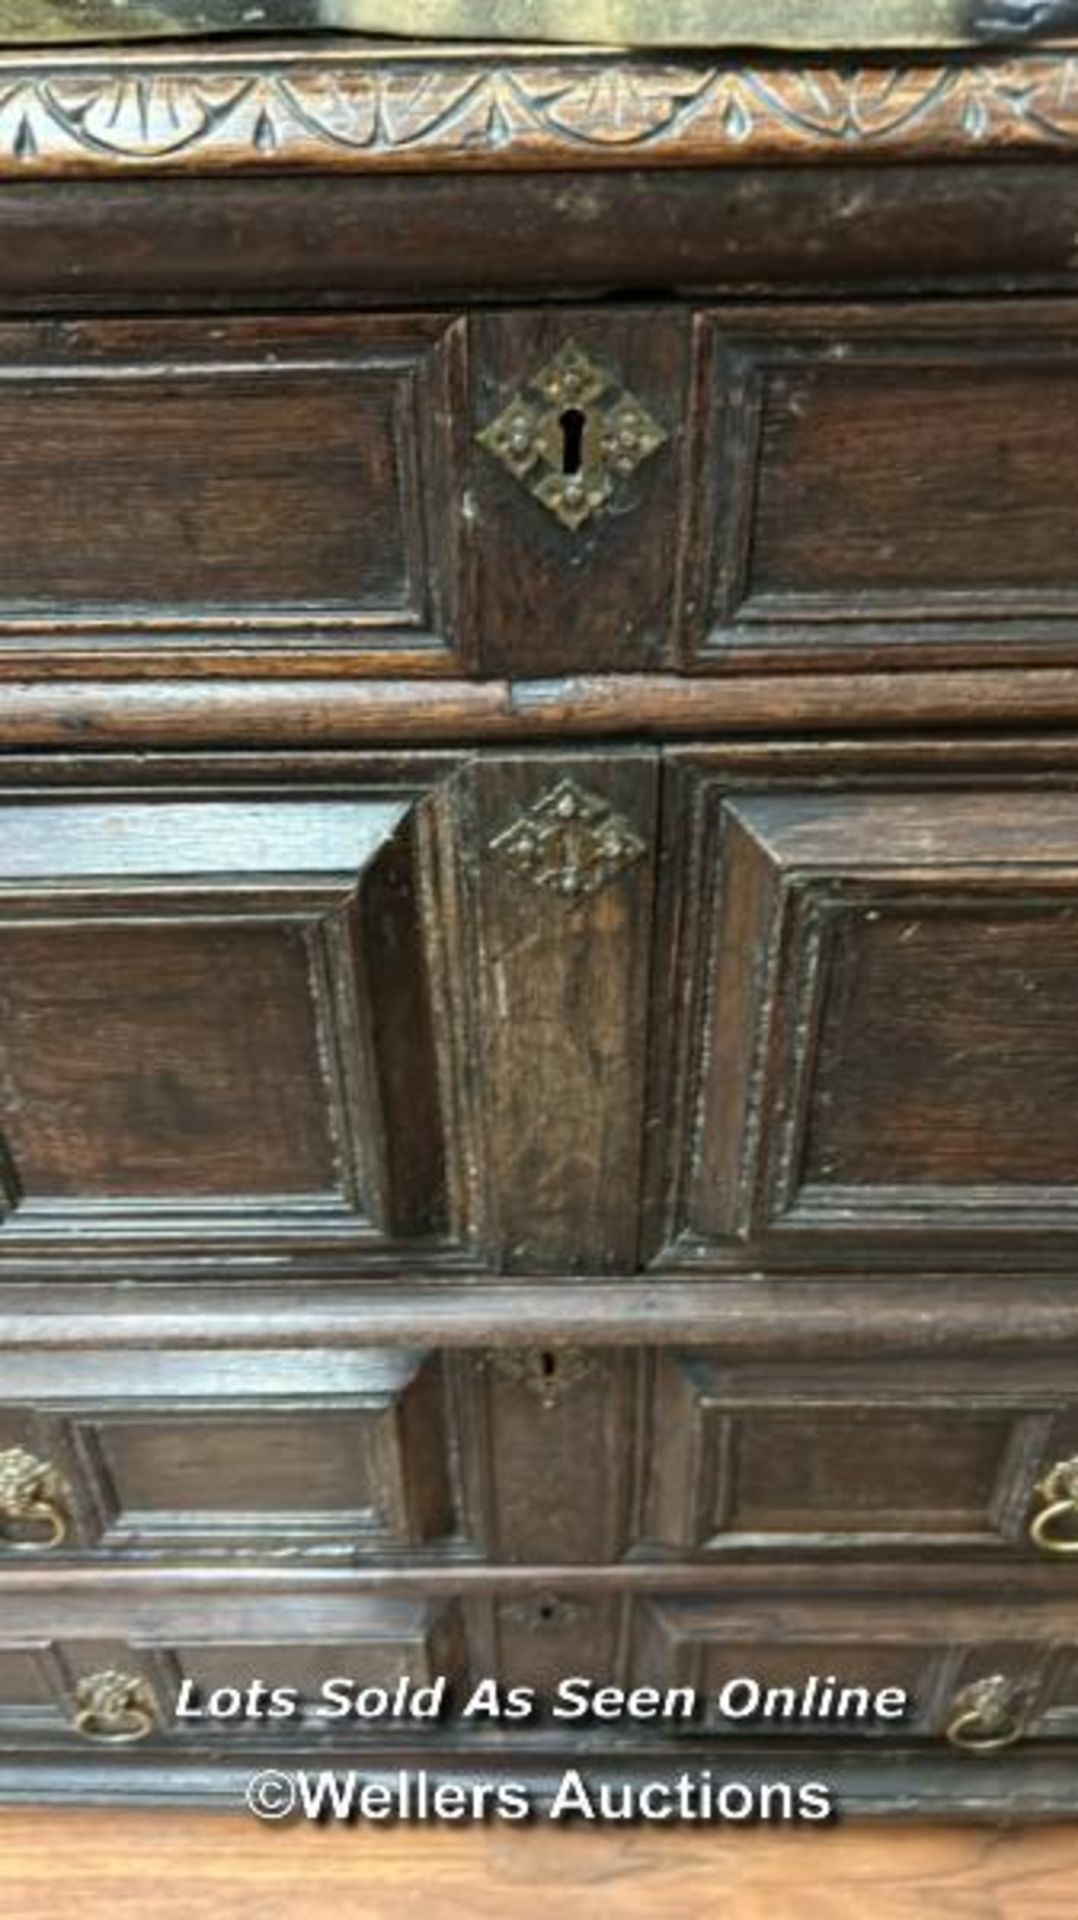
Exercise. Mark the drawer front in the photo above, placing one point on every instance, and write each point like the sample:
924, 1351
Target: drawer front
279, 1453
543, 490
975, 1676
328, 1024
897, 484
114, 1686
878, 1056
540, 490
369, 492
332, 1023
198, 1672
859, 1459
222, 485
219, 1025
393, 1457
404, 1458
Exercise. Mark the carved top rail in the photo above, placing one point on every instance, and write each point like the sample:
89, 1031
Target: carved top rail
344, 106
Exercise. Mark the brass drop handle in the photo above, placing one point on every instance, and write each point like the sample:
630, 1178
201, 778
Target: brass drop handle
115, 1709
1054, 1527
32, 1494
987, 1716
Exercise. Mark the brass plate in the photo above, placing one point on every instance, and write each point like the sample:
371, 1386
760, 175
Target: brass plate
616, 435
796, 24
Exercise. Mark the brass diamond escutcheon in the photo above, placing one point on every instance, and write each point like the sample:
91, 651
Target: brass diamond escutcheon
571, 435
569, 843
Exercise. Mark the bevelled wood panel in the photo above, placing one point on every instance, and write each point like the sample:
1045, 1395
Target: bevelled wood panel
302, 1451
415, 1640
847, 1459
224, 1018
280, 484
178, 1660
25, 1691
878, 1048
933, 1651
358, 1461
884, 484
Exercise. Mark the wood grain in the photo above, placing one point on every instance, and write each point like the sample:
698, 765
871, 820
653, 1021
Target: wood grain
463, 1057
376, 111
563, 1009
925, 442
336, 712
158, 988
64, 1866
410, 238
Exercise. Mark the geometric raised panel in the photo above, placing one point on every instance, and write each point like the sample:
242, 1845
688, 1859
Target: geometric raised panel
219, 1025
26, 1692
884, 1055
873, 1642
1056, 1712
364, 1470
813, 1462
285, 485
300, 1640
420, 1639
941, 445
189, 991
294, 1452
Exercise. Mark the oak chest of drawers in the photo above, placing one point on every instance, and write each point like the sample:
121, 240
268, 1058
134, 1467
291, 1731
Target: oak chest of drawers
539, 905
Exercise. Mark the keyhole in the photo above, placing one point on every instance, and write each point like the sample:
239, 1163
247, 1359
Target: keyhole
573, 423
548, 1366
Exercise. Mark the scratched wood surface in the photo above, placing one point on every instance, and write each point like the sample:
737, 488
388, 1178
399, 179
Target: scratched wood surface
57, 1865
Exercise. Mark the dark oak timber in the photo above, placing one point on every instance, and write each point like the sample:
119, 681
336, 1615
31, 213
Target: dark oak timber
538, 903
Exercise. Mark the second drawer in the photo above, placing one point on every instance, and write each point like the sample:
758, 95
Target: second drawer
543, 1456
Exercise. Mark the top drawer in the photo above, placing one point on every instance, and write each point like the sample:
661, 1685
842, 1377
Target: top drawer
541, 491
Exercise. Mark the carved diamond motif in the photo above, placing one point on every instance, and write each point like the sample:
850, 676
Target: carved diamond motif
571, 434
569, 843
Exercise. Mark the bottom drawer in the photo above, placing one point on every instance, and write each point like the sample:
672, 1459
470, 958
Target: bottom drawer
196, 1663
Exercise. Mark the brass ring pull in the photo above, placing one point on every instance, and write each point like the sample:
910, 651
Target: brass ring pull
115, 1709
32, 1495
987, 1716
1054, 1529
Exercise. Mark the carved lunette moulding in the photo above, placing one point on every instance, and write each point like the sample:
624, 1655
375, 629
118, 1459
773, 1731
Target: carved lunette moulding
152, 113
